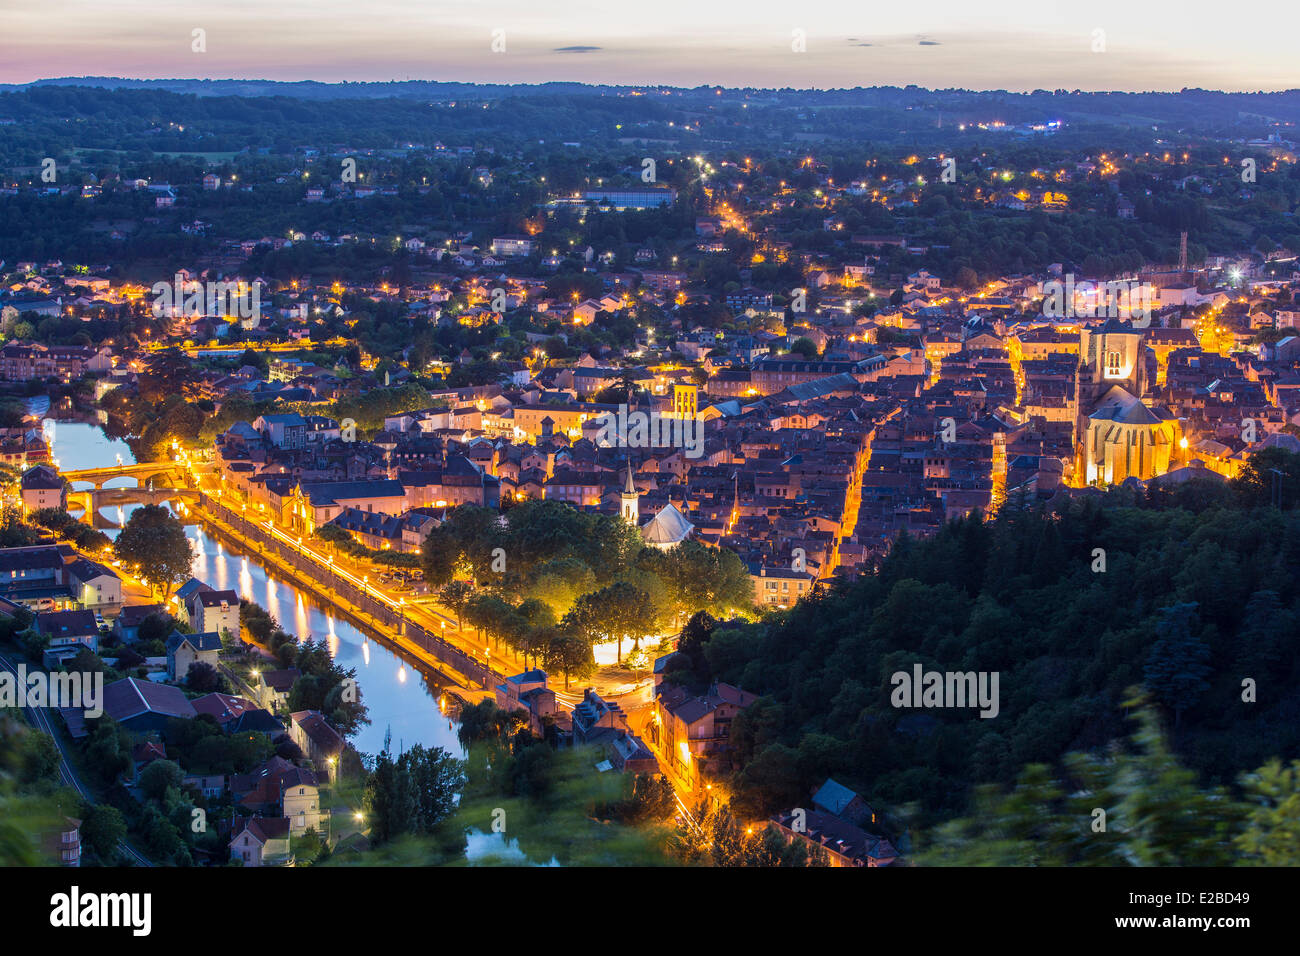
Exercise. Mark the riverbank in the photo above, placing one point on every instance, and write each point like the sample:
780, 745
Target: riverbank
437, 670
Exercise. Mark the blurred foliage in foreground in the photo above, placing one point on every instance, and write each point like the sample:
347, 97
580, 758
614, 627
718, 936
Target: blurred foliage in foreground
1134, 805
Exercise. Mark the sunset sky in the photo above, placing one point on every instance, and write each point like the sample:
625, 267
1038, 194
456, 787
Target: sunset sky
1009, 44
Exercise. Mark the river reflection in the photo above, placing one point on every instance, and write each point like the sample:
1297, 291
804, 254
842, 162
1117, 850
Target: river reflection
399, 697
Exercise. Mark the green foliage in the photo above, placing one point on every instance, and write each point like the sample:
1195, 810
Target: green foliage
1018, 596
411, 794
82, 535
153, 544
1136, 806
158, 776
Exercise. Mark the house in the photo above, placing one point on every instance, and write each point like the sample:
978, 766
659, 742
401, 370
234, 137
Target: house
43, 487
780, 587
141, 706
693, 733
63, 843
312, 504
838, 800
317, 739
214, 612
225, 709
273, 687
92, 584
261, 841
601, 723
209, 786
844, 843
185, 650
528, 692
68, 631
127, 625
33, 577
288, 430
300, 802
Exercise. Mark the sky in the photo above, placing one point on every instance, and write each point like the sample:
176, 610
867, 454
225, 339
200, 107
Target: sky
1000, 44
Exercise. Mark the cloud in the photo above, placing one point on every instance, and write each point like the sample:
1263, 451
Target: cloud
927, 43
577, 49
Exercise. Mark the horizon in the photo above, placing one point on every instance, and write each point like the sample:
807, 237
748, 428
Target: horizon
92, 79
1110, 48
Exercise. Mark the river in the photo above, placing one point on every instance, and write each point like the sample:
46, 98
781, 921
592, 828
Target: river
400, 698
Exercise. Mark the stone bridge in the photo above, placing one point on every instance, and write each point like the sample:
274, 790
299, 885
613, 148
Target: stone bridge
145, 474
156, 483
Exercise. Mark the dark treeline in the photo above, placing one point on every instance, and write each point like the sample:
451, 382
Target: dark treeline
1199, 593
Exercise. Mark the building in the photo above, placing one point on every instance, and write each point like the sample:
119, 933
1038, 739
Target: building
668, 528
300, 803
69, 630
273, 687
261, 841
43, 487
317, 739
127, 624
780, 587
64, 842
312, 504
651, 198
288, 431
601, 723
693, 733
142, 706
528, 692
215, 612
512, 246
186, 650
93, 585
1117, 435
844, 843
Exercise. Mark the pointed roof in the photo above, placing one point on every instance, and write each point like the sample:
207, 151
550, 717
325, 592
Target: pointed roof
1119, 405
667, 528
629, 487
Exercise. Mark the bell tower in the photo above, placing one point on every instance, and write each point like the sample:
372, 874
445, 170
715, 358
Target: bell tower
630, 508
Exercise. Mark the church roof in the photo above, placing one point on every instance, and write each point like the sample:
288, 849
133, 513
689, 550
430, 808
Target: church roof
668, 527
1118, 405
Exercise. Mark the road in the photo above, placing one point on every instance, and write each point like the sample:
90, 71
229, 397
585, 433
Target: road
41, 720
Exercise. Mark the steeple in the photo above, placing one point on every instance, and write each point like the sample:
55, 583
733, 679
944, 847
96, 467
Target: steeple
630, 498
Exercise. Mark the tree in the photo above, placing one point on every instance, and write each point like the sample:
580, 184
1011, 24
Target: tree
804, 346
102, 829
41, 760
158, 776
569, 652
154, 545
615, 613
203, 678
455, 595
166, 373
1177, 666
1272, 832
436, 778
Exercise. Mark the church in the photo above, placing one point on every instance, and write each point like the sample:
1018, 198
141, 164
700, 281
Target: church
665, 530
1118, 435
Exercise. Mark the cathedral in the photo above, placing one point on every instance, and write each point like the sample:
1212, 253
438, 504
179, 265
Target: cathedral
1117, 435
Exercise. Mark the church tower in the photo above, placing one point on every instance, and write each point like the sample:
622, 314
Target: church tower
1110, 354
686, 400
630, 509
